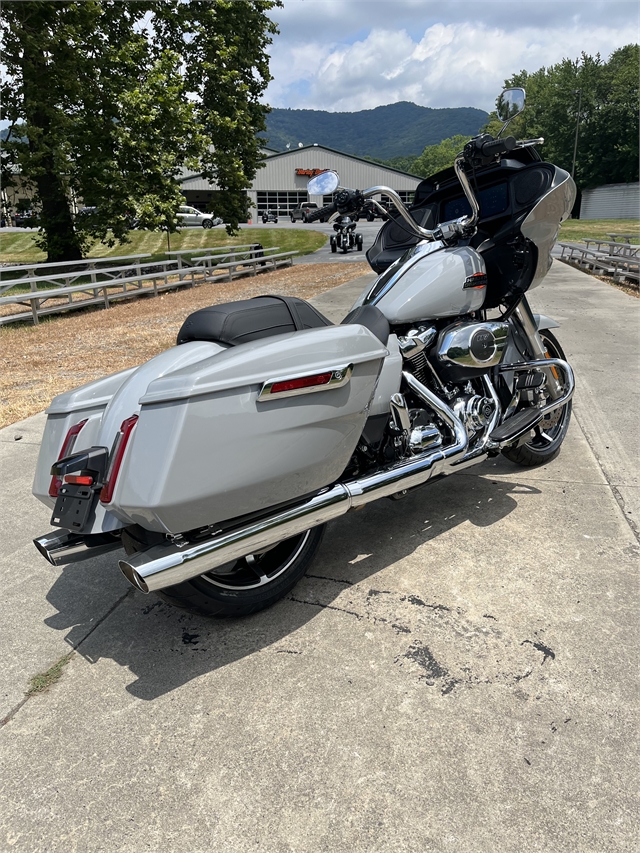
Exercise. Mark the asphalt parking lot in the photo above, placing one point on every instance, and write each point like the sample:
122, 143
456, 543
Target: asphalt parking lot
457, 672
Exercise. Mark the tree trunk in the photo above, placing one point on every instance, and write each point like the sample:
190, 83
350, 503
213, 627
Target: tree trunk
60, 239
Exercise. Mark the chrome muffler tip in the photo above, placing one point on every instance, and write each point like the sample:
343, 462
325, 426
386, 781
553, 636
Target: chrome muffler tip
132, 576
43, 543
62, 546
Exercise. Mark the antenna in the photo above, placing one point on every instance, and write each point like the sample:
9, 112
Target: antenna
300, 145
288, 145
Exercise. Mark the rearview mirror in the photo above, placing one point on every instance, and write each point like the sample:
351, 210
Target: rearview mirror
324, 184
510, 104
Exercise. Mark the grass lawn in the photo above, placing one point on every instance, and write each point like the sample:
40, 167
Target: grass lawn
67, 350
577, 230
19, 248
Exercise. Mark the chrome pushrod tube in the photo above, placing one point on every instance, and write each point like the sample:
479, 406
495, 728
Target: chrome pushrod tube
171, 563
62, 547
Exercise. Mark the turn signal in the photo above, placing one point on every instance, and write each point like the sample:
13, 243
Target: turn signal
67, 447
116, 457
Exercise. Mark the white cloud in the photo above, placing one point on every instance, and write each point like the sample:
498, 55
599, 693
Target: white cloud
439, 58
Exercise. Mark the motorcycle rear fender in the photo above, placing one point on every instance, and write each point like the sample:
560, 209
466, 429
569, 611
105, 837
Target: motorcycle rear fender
206, 449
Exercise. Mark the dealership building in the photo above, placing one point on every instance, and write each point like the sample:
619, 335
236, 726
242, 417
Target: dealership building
282, 183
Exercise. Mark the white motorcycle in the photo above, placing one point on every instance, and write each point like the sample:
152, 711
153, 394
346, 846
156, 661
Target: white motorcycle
217, 464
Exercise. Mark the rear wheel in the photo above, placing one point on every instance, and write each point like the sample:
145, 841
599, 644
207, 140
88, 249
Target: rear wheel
549, 434
247, 585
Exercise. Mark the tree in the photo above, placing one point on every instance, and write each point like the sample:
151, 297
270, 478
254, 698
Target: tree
116, 98
608, 120
434, 158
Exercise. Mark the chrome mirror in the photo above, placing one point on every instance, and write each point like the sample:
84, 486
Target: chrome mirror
324, 184
509, 105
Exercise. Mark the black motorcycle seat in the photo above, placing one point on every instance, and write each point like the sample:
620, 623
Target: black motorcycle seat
371, 318
249, 320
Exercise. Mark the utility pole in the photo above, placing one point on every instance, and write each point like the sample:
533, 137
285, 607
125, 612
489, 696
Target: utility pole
577, 92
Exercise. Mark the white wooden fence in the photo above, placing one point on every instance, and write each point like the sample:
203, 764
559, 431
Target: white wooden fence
60, 287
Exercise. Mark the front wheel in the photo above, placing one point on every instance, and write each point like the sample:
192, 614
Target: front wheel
249, 584
207, 223
549, 434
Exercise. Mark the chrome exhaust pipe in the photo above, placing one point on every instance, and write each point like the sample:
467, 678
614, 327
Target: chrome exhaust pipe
174, 562
61, 546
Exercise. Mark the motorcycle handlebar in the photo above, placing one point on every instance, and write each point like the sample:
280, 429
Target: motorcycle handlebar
321, 213
498, 146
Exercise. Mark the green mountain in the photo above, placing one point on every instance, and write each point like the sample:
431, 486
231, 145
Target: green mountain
395, 130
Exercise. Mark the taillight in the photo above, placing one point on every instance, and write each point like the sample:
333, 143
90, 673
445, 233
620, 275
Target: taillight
116, 457
67, 447
303, 382
82, 480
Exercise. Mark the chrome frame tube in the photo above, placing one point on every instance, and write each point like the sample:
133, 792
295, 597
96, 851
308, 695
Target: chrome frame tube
548, 363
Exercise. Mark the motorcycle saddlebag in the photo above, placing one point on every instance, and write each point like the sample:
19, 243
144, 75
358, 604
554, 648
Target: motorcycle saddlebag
213, 442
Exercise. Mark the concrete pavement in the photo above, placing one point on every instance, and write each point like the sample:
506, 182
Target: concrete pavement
455, 673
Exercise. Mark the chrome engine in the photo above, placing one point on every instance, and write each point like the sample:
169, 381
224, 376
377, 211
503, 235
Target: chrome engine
477, 345
474, 411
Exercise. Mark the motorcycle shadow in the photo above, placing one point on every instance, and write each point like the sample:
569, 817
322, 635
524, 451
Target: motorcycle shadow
166, 648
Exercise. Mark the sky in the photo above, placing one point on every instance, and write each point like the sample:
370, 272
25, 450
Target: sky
349, 55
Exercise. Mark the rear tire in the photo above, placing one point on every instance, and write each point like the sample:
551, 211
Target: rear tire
552, 429
247, 585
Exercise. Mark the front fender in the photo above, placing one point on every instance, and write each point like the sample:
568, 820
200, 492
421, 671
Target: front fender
544, 322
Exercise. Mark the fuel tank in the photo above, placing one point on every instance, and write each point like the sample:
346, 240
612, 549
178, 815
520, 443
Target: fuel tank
429, 282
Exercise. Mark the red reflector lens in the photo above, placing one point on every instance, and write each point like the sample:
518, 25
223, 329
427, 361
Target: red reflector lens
75, 480
67, 447
304, 382
117, 455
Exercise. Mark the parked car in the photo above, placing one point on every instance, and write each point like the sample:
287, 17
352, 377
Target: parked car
192, 216
302, 211
269, 216
26, 219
